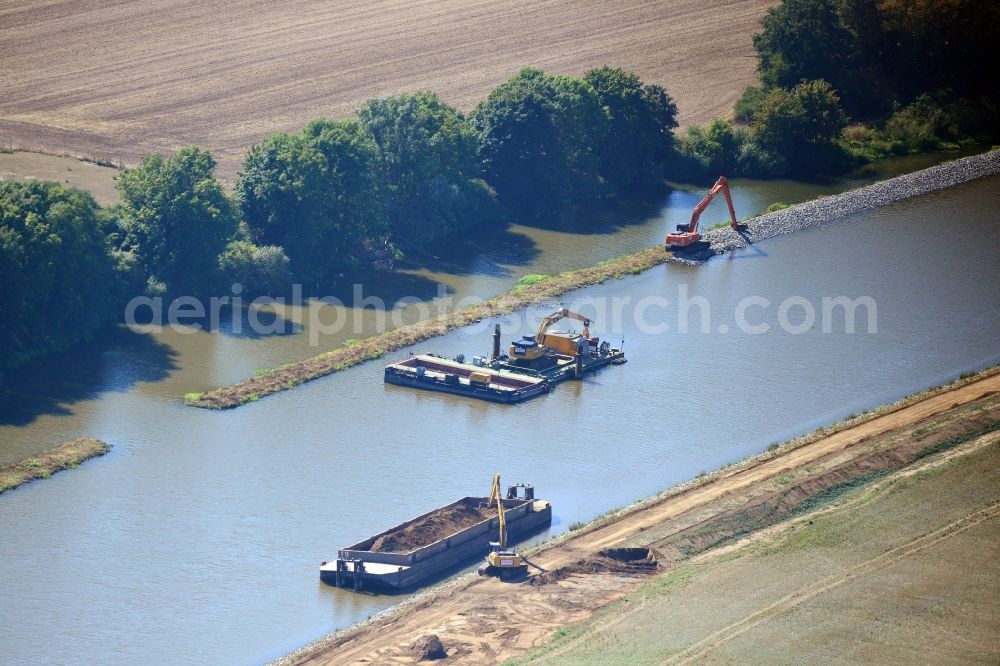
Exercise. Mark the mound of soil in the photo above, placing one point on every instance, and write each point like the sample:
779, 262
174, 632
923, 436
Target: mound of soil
438, 525
609, 560
429, 649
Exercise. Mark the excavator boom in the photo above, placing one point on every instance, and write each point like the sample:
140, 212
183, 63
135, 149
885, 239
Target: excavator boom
688, 234
495, 496
561, 313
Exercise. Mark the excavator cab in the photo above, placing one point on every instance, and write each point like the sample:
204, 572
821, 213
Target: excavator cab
503, 562
525, 349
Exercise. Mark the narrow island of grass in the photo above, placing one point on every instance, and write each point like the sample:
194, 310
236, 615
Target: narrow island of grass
528, 292
44, 465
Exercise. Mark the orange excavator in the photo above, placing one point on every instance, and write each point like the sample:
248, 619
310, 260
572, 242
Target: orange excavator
687, 234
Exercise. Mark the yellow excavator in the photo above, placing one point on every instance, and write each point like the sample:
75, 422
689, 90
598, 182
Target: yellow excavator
501, 561
530, 348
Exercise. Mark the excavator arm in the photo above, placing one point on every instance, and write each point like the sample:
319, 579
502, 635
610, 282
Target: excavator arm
688, 233
561, 313
495, 495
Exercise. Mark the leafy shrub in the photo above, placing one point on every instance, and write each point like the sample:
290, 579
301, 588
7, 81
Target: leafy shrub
260, 269
746, 106
756, 160
528, 280
918, 127
715, 146
865, 143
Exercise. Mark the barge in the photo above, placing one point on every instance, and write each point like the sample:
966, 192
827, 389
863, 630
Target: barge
533, 365
401, 559
427, 371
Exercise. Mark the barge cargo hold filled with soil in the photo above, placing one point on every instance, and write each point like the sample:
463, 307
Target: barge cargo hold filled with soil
438, 542
434, 373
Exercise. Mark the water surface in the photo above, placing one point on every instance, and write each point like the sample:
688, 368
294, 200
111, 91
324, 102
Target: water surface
198, 538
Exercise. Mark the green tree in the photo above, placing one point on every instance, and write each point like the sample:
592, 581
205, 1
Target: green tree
176, 219
59, 277
940, 44
281, 195
316, 194
538, 138
354, 189
641, 122
427, 154
584, 125
876, 53
801, 124
805, 39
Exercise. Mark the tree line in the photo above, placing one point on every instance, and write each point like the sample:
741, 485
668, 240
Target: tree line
843, 82
337, 196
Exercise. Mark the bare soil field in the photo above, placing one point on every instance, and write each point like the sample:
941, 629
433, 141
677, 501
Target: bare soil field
127, 78
68, 171
597, 596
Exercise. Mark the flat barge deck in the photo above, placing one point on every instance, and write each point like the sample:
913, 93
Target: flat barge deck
503, 378
426, 371
400, 559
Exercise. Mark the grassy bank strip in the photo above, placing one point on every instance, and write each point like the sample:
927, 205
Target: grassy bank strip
44, 465
526, 294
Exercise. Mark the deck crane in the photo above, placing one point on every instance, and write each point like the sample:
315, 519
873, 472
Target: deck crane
687, 234
501, 561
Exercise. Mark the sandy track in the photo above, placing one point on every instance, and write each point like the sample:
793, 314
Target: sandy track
127, 78
453, 613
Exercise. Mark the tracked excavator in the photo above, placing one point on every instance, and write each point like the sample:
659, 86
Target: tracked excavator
502, 561
688, 234
531, 348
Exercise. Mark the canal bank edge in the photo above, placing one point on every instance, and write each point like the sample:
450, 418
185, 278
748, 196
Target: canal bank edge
47, 463
444, 590
853, 202
769, 225
291, 375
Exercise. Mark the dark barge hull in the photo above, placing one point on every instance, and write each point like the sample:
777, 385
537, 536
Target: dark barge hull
434, 373
358, 568
432, 384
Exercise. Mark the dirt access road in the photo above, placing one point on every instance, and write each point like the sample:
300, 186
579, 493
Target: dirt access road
127, 78
490, 621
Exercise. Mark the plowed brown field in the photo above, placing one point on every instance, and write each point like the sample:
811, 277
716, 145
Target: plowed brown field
125, 78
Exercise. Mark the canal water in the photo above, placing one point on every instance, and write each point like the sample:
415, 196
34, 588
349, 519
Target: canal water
198, 538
